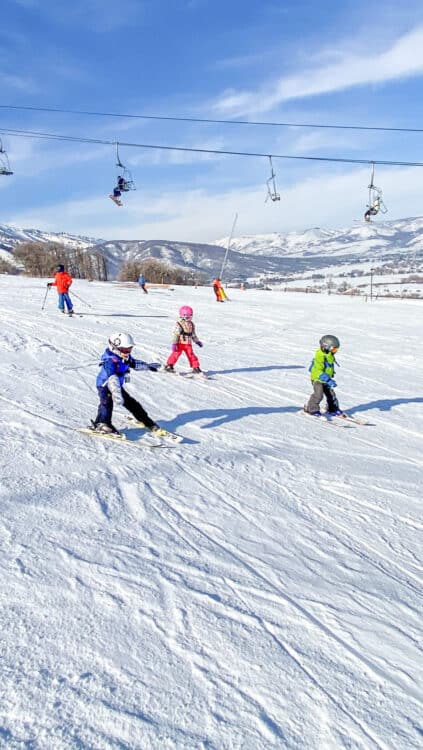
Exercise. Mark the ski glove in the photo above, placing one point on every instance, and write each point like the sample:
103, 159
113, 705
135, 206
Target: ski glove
199, 343
139, 364
115, 389
324, 377
49, 284
174, 347
331, 383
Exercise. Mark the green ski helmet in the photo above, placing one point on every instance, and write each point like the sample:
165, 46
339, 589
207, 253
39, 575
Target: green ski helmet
329, 343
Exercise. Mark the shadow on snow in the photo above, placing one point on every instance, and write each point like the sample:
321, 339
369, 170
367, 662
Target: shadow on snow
256, 369
386, 404
218, 417
119, 315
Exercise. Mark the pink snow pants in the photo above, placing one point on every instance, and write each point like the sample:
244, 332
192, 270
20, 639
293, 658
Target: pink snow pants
187, 348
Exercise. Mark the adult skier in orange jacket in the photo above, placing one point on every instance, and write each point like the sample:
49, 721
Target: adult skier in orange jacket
218, 290
62, 282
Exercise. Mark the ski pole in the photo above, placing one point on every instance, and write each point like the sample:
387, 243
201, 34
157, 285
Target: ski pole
45, 297
81, 300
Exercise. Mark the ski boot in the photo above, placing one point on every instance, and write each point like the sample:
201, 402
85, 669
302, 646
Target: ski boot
169, 368
105, 429
312, 414
160, 432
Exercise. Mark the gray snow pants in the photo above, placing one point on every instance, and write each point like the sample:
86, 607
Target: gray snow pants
320, 390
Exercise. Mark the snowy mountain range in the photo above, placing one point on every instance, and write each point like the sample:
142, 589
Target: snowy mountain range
404, 235
12, 236
249, 255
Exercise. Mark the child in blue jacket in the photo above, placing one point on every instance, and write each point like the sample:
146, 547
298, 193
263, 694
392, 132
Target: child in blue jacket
116, 362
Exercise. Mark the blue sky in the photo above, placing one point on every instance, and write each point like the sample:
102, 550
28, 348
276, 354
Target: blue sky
302, 61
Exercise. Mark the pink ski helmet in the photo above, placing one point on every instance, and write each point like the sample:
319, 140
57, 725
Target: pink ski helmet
186, 312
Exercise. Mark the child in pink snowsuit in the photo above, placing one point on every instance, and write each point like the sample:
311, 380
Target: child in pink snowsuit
183, 336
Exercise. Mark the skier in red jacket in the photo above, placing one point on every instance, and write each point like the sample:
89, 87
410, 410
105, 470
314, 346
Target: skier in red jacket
62, 282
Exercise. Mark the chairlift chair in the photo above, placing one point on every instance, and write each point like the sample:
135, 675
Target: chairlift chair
375, 203
4, 162
272, 192
127, 183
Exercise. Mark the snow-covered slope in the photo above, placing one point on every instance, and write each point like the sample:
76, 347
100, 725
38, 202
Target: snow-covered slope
258, 586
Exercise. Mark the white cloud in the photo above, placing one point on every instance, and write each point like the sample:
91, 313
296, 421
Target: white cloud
403, 59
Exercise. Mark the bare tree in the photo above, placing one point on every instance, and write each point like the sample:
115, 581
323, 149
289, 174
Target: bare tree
159, 272
6, 267
42, 258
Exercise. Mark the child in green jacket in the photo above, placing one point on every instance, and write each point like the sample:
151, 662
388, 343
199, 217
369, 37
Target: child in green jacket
322, 370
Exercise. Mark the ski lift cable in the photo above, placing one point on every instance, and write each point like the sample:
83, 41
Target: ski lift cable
160, 147
173, 118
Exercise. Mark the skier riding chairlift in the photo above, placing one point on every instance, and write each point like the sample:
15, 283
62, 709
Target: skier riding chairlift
124, 182
376, 203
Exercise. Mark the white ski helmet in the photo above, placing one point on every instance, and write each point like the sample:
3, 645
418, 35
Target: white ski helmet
121, 344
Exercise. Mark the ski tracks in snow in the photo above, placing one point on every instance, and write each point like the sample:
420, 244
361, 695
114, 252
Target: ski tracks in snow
233, 611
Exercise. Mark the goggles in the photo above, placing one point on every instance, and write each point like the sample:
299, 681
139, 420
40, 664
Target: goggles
334, 349
186, 317
125, 349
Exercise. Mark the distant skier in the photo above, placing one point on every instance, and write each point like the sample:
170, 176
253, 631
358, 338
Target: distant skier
141, 282
183, 335
116, 361
322, 370
62, 282
218, 290
373, 209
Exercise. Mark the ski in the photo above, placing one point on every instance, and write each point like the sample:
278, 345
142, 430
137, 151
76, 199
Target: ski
159, 434
169, 437
354, 420
121, 437
195, 375
187, 374
325, 420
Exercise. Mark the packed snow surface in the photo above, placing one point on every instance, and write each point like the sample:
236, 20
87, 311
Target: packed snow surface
259, 585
